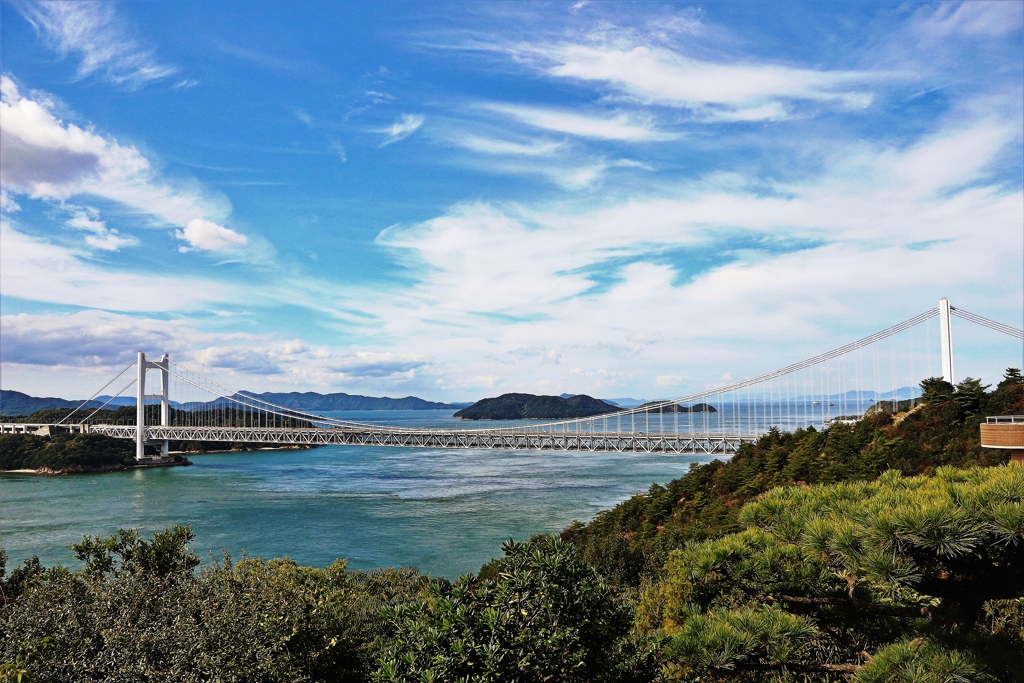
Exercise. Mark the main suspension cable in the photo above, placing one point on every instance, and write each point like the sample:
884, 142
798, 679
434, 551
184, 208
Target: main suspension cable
985, 322
130, 365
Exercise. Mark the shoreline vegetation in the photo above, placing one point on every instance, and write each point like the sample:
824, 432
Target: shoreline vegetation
70, 454
890, 550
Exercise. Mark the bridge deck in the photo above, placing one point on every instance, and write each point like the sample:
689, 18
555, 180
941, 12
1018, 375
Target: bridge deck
628, 442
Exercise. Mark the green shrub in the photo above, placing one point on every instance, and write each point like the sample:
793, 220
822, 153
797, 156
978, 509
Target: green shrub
546, 616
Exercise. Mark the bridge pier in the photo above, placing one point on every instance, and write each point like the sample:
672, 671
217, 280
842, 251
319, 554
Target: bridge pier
140, 409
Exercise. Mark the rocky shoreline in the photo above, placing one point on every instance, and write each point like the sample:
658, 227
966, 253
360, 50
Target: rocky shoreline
172, 461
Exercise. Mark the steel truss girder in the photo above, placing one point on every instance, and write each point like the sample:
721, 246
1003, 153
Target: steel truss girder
623, 442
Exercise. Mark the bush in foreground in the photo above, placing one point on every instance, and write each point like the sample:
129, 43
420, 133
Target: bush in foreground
138, 611
546, 616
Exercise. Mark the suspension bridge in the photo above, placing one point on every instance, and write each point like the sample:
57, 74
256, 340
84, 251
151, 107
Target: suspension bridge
879, 372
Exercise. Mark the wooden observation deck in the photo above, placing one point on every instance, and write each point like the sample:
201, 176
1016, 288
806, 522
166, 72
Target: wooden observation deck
1004, 431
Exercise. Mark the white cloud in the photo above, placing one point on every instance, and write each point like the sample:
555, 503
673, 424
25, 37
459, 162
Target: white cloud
46, 158
506, 147
621, 127
206, 235
402, 128
87, 219
371, 364
7, 204
241, 359
92, 345
38, 271
93, 31
716, 91
86, 339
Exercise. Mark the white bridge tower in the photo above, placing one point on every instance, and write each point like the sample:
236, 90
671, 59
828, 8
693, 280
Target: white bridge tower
946, 339
163, 365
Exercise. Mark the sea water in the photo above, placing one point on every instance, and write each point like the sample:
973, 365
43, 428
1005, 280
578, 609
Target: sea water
443, 511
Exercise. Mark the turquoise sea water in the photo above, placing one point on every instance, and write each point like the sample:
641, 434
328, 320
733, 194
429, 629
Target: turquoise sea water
443, 511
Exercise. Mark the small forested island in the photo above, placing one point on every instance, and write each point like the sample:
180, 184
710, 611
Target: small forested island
890, 550
532, 407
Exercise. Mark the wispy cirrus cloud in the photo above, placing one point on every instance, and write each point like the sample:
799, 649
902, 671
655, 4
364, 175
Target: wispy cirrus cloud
489, 145
978, 18
619, 127
650, 64
402, 128
715, 91
269, 61
95, 32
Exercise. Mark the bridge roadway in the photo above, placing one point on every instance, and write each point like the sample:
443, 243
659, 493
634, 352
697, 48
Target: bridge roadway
504, 439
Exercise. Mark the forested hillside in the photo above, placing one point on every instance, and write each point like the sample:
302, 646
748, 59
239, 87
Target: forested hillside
632, 539
890, 551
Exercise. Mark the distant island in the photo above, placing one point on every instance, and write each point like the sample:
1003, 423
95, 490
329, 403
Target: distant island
530, 406
676, 408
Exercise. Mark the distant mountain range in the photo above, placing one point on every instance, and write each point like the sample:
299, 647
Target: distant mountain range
312, 401
17, 403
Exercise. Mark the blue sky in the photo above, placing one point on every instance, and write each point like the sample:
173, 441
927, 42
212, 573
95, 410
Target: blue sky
458, 199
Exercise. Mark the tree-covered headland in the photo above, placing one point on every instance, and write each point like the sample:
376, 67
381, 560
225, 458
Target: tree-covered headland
65, 453
891, 550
